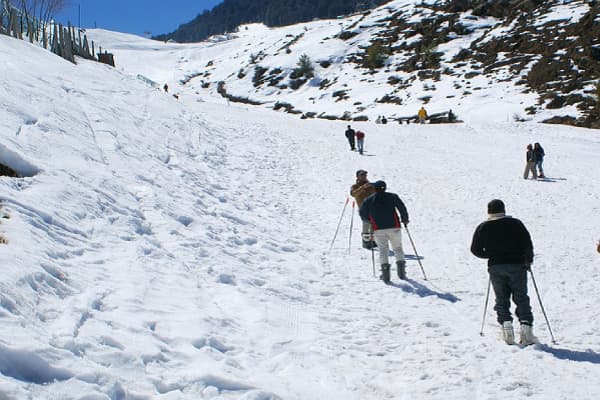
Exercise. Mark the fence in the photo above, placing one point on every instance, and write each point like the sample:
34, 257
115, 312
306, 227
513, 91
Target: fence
66, 42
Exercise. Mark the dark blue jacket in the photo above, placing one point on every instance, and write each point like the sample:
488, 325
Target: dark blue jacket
380, 210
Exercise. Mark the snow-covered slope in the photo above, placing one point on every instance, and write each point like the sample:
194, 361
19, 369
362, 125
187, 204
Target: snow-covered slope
179, 249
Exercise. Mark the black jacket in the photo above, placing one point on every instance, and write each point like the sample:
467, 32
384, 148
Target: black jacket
503, 241
380, 210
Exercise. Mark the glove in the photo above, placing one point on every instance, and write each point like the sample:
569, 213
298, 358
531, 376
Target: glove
405, 222
527, 266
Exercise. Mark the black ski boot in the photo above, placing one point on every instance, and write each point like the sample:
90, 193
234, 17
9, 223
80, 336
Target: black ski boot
385, 273
401, 269
369, 245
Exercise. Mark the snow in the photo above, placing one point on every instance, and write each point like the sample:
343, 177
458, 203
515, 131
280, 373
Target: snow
179, 249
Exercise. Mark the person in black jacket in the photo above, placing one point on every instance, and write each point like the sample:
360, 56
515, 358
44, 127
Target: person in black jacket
507, 245
381, 210
350, 136
539, 159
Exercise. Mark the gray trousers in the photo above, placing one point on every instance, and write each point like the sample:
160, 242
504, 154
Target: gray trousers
393, 236
530, 167
510, 280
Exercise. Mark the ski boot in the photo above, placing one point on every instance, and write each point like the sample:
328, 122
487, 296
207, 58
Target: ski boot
385, 273
401, 266
527, 336
508, 334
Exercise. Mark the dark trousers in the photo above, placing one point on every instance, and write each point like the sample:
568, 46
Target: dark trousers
511, 280
351, 143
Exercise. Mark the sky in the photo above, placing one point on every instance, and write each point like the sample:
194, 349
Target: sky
161, 248
143, 18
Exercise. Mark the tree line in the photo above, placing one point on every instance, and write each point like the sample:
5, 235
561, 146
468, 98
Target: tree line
228, 15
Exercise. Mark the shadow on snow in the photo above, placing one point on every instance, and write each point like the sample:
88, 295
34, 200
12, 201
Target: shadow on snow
571, 355
412, 286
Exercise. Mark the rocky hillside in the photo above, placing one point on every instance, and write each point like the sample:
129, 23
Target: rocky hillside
543, 56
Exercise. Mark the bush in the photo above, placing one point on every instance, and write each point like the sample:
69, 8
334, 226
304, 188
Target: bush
305, 68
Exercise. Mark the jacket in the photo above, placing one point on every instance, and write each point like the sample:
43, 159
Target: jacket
530, 156
360, 135
360, 191
350, 133
503, 241
380, 210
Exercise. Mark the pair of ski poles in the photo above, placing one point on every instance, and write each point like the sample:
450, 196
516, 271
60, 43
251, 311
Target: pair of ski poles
487, 296
372, 247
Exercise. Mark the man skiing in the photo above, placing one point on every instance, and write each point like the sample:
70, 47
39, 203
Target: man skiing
539, 159
360, 191
381, 210
507, 245
350, 136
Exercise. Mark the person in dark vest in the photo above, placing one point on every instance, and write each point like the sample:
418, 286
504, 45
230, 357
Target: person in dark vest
350, 136
539, 159
506, 244
381, 210
530, 163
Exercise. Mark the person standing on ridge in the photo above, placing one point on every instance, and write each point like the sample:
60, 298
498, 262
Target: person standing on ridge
422, 114
539, 159
530, 161
506, 244
360, 191
360, 141
350, 136
381, 210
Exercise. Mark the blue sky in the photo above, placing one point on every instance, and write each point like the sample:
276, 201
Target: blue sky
134, 16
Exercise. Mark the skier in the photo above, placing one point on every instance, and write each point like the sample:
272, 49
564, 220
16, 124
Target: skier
360, 191
422, 114
530, 162
380, 209
350, 136
507, 245
539, 159
360, 141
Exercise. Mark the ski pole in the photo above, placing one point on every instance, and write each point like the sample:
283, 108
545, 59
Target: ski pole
351, 224
339, 222
541, 305
487, 297
415, 249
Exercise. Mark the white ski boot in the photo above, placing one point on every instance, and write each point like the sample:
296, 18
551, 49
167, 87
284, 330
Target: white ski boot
527, 336
508, 333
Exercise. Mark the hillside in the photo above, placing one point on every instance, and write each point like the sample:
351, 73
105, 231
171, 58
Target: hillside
228, 15
406, 53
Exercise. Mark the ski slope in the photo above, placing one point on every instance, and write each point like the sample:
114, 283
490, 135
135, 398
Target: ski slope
179, 249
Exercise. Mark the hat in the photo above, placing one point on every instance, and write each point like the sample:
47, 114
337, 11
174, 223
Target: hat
379, 185
360, 171
496, 206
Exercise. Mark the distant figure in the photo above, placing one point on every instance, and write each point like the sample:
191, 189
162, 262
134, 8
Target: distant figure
598, 247
506, 244
530, 163
539, 159
350, 136
422, 114
360, 141
451, 116
166, 88
378, 120
383, 119
381, 210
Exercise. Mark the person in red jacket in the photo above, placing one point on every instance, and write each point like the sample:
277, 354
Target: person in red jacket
360, 141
